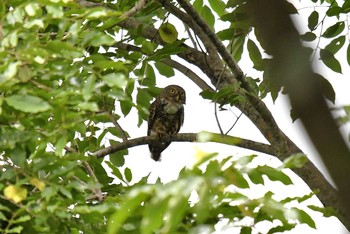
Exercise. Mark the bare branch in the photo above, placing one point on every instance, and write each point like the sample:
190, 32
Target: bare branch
188, 137
117, 125
236, 70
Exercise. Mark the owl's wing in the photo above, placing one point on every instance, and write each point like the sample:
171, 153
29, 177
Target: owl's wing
152, 114
182, 116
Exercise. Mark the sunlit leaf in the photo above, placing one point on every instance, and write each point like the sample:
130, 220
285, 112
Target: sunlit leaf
15, 193
218, 6
27, 103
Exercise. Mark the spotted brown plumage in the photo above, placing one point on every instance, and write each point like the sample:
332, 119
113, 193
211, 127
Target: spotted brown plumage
166, 116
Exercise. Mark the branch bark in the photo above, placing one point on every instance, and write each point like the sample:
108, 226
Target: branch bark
291, 67
188, 137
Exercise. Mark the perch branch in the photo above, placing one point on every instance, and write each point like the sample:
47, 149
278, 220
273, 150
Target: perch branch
188, 137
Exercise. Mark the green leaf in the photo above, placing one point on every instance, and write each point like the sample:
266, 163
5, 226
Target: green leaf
100, 39
168, 33
115, 80
153, 215
274, 174
128, 174
313, 20
118, 158
255, 176
147, 47
27, 103
164, 69
336, 44
115, 170
255, 55
116, 220
218, 6
236, 177
330, 61
198, 5
308, 36
295, 161
237, 47
10, 72
303, 217
326, 88
88, 88
208, 16
334, 30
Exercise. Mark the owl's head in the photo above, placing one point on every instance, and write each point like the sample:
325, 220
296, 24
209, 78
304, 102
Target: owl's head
174, 93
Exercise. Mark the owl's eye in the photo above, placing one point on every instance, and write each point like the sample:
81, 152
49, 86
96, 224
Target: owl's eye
172, 91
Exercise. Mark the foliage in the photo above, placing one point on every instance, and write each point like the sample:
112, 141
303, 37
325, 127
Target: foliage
66, 69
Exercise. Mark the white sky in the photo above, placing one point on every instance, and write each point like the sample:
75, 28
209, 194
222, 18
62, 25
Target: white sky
199, 115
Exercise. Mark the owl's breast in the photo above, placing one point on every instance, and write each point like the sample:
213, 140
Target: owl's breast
172, 108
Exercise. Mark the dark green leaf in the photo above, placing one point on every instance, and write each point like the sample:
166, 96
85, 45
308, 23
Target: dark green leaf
308, 36
313, 20
128, 174
255, 55
334, 30
334, 11
246, 230
330, 61
336, 44
326, 88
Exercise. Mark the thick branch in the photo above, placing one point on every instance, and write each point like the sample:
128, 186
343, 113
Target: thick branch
292, 68
188, 137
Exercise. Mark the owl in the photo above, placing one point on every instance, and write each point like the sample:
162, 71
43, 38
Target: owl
166, 116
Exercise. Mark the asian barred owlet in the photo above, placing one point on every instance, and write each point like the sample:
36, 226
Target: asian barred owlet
166, 116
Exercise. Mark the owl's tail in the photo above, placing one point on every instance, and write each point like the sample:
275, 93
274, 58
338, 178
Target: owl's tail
155, 156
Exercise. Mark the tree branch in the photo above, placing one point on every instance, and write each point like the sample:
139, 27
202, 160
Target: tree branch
188, 137
291, 67
138, 6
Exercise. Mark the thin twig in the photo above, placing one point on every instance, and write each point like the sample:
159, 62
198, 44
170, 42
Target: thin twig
117, 125
97, 192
